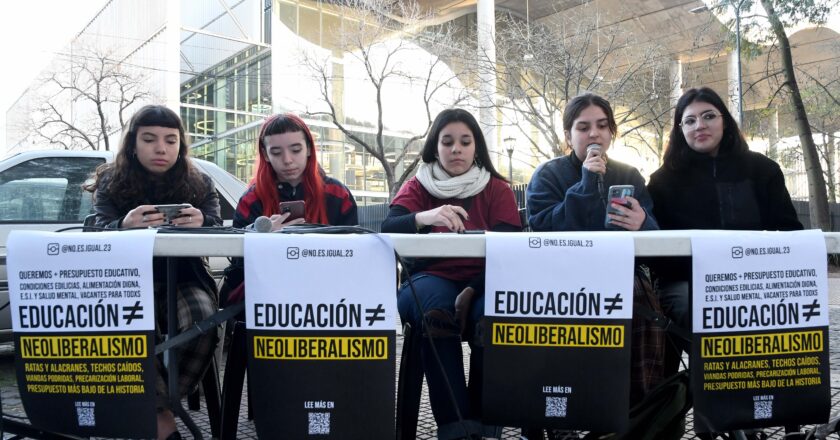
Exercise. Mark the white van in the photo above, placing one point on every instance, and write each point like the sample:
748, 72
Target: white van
42, 190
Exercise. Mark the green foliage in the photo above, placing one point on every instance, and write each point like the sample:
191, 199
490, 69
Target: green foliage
792, 12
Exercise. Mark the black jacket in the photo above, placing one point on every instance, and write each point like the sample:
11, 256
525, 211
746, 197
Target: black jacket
741, 191
111, 209
340, 204
564, 196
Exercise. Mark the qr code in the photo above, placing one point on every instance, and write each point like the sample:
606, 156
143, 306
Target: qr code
86, 417
556, 406
763, 409
319, 423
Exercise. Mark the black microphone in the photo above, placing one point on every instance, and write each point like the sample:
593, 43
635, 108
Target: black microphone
262, 224
600, 179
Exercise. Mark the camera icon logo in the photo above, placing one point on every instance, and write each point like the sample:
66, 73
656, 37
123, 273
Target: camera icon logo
737, 252
53, 248
534, 242
292, 253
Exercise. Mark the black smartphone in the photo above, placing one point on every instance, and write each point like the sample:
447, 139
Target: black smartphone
617, 194
171, 211
295, 208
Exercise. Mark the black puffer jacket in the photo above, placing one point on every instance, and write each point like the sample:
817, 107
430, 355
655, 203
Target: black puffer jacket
743, 191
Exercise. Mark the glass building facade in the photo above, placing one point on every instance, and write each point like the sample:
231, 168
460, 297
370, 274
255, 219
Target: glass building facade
241, 64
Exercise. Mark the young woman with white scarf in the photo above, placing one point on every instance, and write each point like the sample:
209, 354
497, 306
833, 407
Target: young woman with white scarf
456, 189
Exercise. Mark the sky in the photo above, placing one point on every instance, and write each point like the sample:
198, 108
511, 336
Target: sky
32, 33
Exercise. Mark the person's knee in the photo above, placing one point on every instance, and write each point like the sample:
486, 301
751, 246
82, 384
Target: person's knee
407, 308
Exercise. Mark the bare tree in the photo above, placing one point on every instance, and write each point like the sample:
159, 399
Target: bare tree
382, 36
782, 15
541, 66
647, 115
821, 96
85, 99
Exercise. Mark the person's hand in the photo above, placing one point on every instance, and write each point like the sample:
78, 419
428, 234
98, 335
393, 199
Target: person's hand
595, 162
143, 216
278, 221
630, 218
189, 218
449, 216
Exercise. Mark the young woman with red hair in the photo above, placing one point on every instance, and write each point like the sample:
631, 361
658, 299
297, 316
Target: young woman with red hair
287, 170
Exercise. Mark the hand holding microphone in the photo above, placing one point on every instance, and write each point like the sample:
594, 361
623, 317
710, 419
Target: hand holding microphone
595, 161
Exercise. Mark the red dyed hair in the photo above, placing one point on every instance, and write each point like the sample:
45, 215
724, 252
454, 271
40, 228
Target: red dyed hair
265, 179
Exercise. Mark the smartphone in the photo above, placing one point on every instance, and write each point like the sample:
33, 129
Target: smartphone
295, 208
617, 194
170, 211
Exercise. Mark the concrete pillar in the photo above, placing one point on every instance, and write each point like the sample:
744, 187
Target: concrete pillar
278, 45
486, 36
733, 72
676, 75
172, 57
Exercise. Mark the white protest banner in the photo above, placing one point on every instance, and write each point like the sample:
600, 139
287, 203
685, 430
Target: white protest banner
321, 319
74, 281
315, 281
558, 308
760, 323
83, 318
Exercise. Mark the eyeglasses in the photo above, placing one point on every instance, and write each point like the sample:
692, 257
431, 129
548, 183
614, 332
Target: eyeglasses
690, 122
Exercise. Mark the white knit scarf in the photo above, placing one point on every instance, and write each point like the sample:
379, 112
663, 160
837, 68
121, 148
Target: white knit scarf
443, 186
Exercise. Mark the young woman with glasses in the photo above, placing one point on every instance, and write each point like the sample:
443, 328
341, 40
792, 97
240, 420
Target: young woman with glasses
708, 163
711, 180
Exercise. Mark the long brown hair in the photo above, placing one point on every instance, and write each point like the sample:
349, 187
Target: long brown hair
448, 116
131, 185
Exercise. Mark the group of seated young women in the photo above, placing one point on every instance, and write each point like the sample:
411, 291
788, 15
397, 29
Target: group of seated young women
709, 180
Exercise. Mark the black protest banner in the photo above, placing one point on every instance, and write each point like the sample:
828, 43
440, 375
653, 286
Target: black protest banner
321, 332
556, 333
558, 372
772, 378
85, 385
760, 320
83, 321
322, 384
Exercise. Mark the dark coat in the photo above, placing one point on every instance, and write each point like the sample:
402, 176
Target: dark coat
563, 196
741, 191
110, 211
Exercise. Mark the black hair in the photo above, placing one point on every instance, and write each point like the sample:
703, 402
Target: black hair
447, 117
678, 151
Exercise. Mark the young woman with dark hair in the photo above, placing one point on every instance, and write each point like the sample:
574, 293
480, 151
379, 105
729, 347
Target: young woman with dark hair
456, 189
708, 163
286, 170
153, 168
569, 193
711, 180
